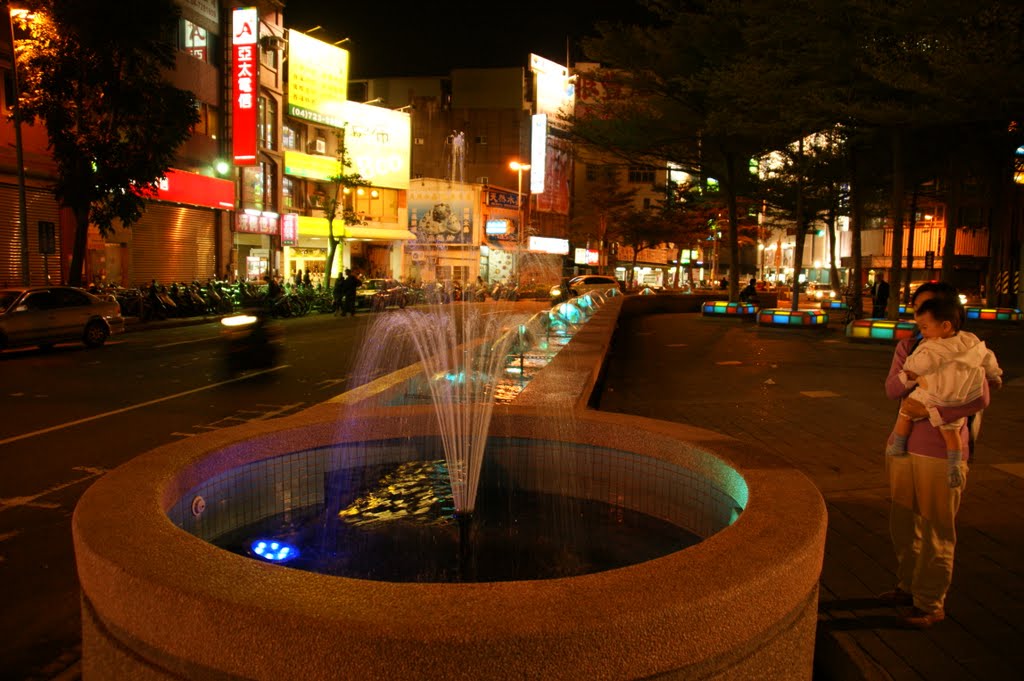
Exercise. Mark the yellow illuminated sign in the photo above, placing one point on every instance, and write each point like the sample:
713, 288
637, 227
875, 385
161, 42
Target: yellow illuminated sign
378, 141
309, 166
317, 80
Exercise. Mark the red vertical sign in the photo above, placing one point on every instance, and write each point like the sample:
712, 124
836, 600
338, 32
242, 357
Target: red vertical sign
245, 77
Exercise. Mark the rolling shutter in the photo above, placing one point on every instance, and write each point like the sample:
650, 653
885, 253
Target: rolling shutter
173, 244
40, 206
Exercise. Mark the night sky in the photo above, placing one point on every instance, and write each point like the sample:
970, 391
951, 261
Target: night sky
431, 38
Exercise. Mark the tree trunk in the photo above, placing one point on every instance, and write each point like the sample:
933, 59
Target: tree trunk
856, 279
896, 209
953, 196
801, 227
905, 298
78, 248
833, 270
332, 251
734, 238
1001, 253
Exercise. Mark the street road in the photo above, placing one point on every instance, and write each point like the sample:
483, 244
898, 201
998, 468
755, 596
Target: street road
71, 414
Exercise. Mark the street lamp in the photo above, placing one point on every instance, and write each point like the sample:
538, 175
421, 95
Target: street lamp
19, 150
519, 168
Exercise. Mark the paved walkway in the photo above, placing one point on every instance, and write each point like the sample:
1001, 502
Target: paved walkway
817, 400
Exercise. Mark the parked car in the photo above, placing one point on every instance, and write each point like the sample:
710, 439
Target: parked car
378, 294
46, 315
584, 283
817, 291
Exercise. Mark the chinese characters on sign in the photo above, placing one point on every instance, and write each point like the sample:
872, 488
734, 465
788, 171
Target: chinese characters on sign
245, 79
262, 223
501, 199
317, 80
289, 229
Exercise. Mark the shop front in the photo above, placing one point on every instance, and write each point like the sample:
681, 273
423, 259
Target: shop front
256, 253
501, 235
175, 240
374, 250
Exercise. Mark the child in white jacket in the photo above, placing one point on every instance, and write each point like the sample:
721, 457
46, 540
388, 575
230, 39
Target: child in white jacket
948, 368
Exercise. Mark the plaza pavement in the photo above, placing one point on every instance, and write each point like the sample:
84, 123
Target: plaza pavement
816, 400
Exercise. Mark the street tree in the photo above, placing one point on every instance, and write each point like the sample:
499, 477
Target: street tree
693, 214
640, 229
603, 203
93, 72
670, 107
339, 202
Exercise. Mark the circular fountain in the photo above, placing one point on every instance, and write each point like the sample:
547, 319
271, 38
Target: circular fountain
160, 600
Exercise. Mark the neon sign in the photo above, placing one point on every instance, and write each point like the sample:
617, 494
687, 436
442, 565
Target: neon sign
245, 84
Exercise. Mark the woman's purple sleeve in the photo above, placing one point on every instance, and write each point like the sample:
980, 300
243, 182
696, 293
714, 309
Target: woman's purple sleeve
894, 388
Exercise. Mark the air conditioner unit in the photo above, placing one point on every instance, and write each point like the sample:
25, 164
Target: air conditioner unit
483, 179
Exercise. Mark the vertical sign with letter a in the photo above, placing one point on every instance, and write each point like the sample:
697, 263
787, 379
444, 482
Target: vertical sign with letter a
245, 84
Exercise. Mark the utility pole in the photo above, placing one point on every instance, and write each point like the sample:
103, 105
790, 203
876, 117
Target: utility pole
19, 154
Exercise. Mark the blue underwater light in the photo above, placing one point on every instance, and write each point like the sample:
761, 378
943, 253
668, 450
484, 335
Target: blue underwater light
274, 551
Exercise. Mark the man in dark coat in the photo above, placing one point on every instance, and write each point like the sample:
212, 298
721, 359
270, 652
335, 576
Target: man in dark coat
348, 288
879, 297
338, 296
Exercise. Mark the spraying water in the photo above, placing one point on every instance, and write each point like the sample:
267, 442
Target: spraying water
463, 349
455, 155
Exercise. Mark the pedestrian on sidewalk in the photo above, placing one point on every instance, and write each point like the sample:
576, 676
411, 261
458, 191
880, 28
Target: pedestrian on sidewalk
922, 520
349, 286
879, 296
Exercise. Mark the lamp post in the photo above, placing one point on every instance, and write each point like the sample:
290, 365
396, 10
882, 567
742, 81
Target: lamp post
519, 168
19, 152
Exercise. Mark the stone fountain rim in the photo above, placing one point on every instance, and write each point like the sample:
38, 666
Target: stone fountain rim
129, 554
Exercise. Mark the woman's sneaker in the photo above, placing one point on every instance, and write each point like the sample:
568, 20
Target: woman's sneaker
922, 619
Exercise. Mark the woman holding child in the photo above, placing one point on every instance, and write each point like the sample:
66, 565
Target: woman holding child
926, 460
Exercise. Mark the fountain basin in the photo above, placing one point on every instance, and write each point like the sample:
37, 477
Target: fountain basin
160, 602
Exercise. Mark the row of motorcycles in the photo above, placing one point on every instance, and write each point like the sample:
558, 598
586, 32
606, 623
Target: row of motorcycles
159, 301
182, 299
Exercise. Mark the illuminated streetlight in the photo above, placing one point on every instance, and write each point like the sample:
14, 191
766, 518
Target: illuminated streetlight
519, 168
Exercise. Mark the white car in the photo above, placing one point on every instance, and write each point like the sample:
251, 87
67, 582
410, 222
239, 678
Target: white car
585, 283
46, 315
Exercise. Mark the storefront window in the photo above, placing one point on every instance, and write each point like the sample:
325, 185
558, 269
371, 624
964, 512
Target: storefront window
290, 138
258, 186
266, 122
288, 192
379, 205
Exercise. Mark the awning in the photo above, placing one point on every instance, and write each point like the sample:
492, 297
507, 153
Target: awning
377, 233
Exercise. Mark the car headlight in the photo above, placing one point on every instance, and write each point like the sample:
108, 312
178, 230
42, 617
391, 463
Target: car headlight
556, 291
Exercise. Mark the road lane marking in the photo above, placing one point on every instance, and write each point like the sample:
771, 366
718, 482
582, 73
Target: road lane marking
186, 342
132, 407
31, 500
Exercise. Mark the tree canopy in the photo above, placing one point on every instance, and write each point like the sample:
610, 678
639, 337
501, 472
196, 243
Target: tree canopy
93, 75
922, 91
